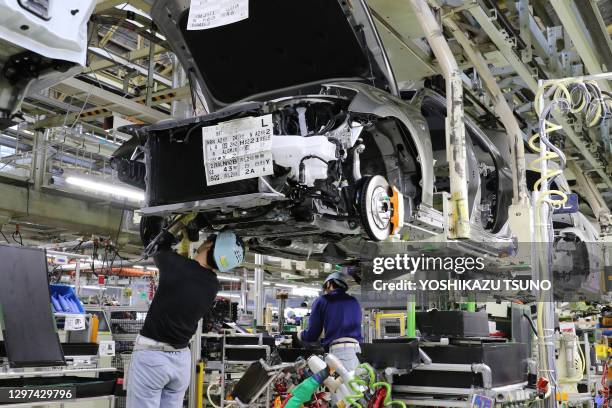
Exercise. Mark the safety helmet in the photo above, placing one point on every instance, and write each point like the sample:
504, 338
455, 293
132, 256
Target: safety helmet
338, 279
228, 251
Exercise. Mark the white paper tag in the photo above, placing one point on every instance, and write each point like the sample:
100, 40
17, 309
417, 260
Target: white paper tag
204, 14
74, 322
106, 348
237, 150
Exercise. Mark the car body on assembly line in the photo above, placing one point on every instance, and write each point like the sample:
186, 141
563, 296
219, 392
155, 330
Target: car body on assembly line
308, 149
42, 43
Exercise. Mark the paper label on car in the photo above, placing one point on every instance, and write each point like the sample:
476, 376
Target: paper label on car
237, 150
74, 322
205, 14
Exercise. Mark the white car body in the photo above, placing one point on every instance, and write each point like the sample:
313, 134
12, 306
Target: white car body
41, 43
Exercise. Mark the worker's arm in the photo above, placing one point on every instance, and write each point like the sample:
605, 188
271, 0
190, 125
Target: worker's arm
315, 323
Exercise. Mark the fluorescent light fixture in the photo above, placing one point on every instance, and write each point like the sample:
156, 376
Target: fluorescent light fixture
139, 267
228, 278
152, 268
228, 295
266, 283
105, 188
284, 285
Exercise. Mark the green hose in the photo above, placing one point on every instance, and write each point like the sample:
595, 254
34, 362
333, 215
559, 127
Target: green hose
302, 393
357, 393
368, 368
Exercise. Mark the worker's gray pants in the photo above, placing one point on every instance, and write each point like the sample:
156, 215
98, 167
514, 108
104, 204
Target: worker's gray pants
158, 379
347, 356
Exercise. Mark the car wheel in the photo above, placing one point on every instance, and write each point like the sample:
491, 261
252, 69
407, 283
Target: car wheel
375, 207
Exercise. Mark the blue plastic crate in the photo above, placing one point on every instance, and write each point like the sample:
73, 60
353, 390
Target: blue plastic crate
65, 300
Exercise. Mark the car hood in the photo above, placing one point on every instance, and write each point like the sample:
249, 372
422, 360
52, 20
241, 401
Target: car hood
281, 47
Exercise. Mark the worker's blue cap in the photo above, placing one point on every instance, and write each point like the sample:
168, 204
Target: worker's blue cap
228, 251
338, 279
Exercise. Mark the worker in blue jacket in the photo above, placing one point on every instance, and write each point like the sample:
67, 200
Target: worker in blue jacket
336, 315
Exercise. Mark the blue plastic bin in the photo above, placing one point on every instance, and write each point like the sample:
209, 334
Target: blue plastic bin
65, 300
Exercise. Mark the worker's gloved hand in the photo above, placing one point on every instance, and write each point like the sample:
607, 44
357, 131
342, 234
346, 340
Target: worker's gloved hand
295, 341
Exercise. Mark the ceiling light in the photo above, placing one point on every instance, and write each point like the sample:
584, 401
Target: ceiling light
266, 283
228, 295
228, 278
110, 189
283, 285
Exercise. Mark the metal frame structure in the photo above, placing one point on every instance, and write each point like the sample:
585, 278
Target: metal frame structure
133, 75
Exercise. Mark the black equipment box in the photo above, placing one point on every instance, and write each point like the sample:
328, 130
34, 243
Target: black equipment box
508, 363
289, 355
254, 378
401, 353
169, 159
70, 349
247, 354
453, 323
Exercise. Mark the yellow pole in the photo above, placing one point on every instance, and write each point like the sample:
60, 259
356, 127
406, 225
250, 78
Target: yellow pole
200, 384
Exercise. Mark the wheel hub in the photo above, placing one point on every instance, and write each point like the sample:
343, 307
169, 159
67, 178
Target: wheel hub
380, 207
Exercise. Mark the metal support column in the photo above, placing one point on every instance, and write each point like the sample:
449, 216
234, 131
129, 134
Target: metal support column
524, 15
151, 74
77, 276
181, 108
196, 356
459, 222
259, 291
39, 159
244, 292
515, 134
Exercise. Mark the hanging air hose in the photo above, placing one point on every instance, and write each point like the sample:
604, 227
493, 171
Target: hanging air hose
567, 96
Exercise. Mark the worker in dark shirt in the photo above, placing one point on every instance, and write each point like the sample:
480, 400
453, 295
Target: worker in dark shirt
160, 368
336, 315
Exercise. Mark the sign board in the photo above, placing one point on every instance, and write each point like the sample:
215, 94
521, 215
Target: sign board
570, 206
106, 348
237, 150
74, 322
